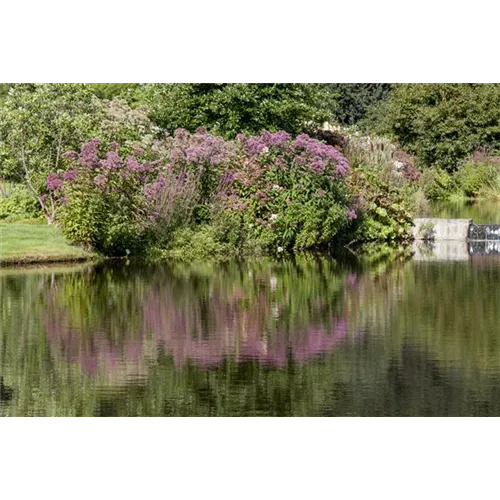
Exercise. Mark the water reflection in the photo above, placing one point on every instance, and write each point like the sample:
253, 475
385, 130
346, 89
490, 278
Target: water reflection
481, 212
129, 316
310, 336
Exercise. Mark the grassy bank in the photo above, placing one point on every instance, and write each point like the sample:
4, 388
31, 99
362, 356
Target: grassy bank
29, 243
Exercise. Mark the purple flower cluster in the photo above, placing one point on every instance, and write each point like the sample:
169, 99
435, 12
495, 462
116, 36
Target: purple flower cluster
199, 148
54, 182
154, 188
304, 151
89, 154
70, 175
112, 161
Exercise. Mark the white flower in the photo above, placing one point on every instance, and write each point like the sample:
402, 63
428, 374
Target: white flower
274, 216
280, 249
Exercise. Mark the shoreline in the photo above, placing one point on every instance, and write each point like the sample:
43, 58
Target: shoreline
33, 260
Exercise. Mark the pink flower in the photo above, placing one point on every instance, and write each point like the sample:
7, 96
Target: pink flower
70, 155
89, 154
53, 182
70, 175
100, 180
351, 214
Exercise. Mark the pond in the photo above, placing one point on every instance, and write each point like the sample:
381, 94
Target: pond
481, 212
310, 336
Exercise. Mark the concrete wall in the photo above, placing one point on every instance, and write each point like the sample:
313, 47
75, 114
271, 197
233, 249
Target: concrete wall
440, 250
441, 229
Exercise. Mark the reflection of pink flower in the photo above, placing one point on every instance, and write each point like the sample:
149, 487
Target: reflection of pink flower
175, 323
351, 278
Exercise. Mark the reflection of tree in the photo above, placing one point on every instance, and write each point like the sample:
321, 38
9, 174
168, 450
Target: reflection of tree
303, 337
5, 392
245, 312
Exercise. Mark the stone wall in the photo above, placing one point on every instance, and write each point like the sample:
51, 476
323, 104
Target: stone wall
441, 229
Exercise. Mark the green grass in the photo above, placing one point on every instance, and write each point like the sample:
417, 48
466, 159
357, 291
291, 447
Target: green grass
28, 243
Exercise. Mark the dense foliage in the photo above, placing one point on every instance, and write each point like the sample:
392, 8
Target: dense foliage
256, 181
270, 191
17, 203
355, 99
228, 109
39, 122
113, 90
443, 123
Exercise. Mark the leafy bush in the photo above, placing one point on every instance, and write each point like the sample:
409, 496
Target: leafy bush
355, 99
230, 108
131, 127
117, 203
437, 184
115, 90
292, 193
38, 123
479, 176
189, 244
18, 205
384, 206
444, 123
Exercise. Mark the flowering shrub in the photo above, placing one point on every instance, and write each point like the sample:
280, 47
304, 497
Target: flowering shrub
101, 199
292, 192
271, 192
118, 203
384, 207
199, 161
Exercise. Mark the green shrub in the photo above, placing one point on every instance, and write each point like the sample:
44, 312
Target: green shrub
19, 204
472, 177
114, 90
385, 207
442, 123
194, 243
355, 99
230, 108
437, 184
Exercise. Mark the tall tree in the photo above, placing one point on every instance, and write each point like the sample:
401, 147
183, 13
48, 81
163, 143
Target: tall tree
231, 108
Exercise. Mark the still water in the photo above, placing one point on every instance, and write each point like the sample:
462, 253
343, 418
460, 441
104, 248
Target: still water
481, 212
311, 336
